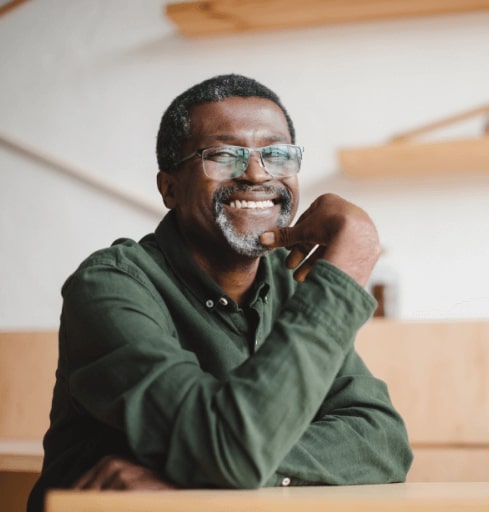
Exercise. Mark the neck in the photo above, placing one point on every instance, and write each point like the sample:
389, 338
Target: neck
232, 272
234, 276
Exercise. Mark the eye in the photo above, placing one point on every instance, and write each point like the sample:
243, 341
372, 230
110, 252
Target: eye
222, 154
278, 153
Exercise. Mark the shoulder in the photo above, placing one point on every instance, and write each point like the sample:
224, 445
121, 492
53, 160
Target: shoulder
124, 253
125, 256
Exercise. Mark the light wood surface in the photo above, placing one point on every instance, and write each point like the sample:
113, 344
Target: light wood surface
27, 374
210, 17
441, 497
416, 158
469, 463
438, 379
442, 123
21, 455
438, 376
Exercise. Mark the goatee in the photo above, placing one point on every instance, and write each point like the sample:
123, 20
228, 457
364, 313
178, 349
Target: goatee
248, 244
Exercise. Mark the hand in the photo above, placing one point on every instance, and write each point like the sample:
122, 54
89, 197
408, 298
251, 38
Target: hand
338, 231
116, 473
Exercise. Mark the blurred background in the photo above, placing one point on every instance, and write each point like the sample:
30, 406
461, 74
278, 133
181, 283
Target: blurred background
83, 86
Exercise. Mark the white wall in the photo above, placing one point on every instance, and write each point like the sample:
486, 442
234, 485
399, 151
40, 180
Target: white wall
87, 82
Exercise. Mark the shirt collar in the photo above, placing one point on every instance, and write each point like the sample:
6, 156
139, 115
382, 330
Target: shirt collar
191, 275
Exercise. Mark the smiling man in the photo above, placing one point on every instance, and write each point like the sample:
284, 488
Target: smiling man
213, 353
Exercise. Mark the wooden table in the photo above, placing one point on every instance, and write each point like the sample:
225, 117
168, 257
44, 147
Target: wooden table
423, 497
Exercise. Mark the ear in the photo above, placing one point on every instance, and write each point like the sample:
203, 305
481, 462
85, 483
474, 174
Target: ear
166, 186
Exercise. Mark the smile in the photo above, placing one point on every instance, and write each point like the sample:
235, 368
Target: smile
251, 204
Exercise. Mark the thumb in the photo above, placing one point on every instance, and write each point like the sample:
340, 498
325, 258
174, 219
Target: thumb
282, 237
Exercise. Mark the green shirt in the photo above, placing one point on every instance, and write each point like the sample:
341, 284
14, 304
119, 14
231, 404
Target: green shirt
156, 363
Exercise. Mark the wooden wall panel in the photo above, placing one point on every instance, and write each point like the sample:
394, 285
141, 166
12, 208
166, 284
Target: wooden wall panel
27, 373
438, 376
450, 464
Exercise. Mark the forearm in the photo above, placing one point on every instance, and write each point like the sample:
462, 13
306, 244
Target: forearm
356, 438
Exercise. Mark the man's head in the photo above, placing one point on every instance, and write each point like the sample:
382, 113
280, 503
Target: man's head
221, 206
176, 123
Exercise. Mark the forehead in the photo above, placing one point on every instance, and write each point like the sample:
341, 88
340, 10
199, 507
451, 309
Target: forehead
236, 116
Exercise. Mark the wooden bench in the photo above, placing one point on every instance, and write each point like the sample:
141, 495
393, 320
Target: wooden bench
437, 373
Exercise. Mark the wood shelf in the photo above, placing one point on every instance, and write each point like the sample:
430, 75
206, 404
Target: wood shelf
457, 156
403, 154
213, 17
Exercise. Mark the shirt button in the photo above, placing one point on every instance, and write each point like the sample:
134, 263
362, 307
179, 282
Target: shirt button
223, 301
209, 303
285, 482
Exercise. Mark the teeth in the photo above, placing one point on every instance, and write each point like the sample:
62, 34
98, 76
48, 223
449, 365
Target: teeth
251, 204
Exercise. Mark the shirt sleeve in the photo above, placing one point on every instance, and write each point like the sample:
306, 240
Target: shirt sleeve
357, 437
127, 369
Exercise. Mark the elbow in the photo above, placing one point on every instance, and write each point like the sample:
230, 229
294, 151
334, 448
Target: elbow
398, 460
239, 471
404, 461
244, 474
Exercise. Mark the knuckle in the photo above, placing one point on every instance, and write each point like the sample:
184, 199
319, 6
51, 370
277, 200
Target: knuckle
285, 236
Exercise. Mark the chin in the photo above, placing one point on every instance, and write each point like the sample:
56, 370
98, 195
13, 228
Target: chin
245, 244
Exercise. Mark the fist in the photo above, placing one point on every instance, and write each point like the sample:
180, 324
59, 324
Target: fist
116, 473
332, 229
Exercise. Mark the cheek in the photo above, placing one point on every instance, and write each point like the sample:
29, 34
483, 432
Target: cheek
292, 185
196, 199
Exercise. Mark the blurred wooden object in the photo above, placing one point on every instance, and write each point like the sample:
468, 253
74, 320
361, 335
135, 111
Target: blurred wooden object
27, 373
404, 155
438, 379
212, 17
10, 5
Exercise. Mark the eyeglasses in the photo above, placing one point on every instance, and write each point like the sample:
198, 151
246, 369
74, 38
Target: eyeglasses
229, 162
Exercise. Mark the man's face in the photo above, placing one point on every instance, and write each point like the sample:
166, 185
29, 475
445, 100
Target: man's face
233, 212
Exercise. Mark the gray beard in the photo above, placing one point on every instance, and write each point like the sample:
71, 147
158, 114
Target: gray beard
248, 244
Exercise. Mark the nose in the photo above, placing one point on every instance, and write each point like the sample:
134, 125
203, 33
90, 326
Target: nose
256, 172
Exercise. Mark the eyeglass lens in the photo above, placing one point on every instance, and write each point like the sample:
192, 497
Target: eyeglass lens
279, 160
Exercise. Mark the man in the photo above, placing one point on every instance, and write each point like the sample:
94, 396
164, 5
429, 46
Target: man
208, 355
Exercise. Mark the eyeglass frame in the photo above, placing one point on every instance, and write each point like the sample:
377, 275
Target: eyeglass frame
200, 152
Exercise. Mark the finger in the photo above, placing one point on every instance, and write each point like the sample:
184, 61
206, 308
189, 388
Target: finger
116, 480
286, 237
272, 239
298, 254
89, 480
301, 273
100, 475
